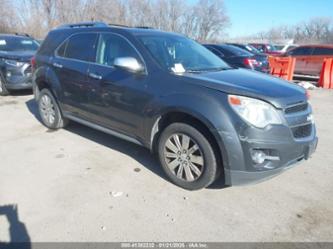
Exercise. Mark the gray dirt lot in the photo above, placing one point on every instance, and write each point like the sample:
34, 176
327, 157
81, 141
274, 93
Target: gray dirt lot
61, 183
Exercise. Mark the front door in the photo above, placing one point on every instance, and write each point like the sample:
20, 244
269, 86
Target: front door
121, 95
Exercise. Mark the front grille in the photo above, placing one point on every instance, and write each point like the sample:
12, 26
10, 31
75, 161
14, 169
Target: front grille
302, 131
296, 108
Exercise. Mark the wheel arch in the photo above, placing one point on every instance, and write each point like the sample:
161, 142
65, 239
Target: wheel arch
191, 118
45, 78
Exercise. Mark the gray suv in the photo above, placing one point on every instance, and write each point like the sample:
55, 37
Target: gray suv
16, 52
206, 121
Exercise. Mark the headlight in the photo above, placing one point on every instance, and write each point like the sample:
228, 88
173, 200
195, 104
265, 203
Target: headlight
14, 63
256, 112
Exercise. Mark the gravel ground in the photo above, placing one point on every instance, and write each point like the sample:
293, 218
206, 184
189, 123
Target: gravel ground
79, 184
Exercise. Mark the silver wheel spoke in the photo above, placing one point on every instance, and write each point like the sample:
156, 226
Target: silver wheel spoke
195, 169
171, 146
50, 119
170, 155
180, 172
193, 149
196, 159
176, 138
188, 174
174, 164
185, 142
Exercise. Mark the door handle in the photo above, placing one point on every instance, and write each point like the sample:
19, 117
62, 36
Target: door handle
57, 65
95, 76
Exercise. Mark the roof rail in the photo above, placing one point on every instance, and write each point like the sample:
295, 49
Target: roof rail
83, 25
118, 25
143, 27
22, 34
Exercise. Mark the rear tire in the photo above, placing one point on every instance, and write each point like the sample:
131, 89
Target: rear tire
49, 111
187, 157
3, 90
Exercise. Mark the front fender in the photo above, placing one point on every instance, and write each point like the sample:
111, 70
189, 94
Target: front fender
212, 110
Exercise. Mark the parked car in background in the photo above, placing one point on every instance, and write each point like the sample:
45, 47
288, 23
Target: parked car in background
266, 48
309, 58
168, 93
238, 57
16, 52
248, 47
285, 48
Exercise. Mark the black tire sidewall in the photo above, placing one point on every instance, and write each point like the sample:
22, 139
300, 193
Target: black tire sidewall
210, 166
58, 117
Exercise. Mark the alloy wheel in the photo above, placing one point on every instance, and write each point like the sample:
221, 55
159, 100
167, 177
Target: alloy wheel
184, 157
47, 109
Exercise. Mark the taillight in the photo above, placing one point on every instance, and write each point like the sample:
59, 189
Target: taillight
251, 62
33, 63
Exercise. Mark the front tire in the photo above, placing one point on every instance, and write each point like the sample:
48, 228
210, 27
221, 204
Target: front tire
3, 90
187, 157
49, 111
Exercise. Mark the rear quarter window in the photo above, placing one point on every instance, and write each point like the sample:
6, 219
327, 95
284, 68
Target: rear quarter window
81, 47
323, 51
301, 51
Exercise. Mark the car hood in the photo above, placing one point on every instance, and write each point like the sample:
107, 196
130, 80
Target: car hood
250, 83
17, 55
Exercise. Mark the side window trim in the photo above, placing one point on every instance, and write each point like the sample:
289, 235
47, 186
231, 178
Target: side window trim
129, 42
58, 48
66, 41
97, 44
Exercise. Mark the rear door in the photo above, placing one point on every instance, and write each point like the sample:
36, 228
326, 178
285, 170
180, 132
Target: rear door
71, 64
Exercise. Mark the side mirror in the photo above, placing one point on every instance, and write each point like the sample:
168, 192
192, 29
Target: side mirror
128, 63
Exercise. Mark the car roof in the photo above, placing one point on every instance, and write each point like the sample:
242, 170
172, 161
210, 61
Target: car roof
15, 35
113, 27
317, 46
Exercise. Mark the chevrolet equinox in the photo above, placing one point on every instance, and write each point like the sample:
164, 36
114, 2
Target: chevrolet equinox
204, 119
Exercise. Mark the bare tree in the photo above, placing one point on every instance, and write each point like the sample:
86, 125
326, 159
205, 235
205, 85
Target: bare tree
316, 30
204, 20
210, 19
7, 12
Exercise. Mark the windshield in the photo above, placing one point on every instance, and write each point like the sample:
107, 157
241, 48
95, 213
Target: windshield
279, 47
18, 44
271, 48
179, 54
252, 49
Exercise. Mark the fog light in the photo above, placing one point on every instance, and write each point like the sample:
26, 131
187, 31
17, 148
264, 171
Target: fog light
8, 74
258, 156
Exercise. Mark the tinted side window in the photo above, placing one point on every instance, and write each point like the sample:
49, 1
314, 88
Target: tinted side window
223, 51
215, 51
82, 47
261, 48
112, 46
323, 51
62, 49
301, 51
